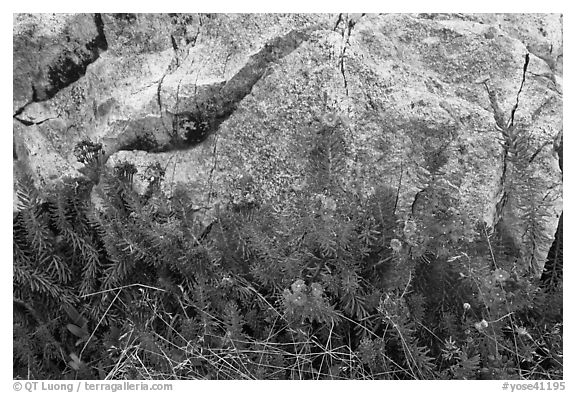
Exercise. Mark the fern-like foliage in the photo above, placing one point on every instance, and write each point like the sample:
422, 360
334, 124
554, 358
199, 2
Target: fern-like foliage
322, 284
40, 274
327, 160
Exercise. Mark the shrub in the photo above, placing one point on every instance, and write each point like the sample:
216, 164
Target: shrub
322, 285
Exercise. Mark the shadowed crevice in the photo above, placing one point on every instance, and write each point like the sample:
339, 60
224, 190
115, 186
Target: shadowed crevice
193, 125
68, 68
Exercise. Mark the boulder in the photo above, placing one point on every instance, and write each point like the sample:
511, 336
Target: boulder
464, 108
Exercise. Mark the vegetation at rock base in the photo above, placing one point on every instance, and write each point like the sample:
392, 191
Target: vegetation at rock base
325, 284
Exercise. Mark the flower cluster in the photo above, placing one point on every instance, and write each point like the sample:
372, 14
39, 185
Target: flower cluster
501, 275
480, 326
396, 245
306, 302
88, 152
330, 119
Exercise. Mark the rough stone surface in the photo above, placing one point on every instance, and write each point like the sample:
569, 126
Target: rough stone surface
218, 99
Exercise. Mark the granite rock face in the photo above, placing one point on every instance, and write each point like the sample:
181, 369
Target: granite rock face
464, 105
